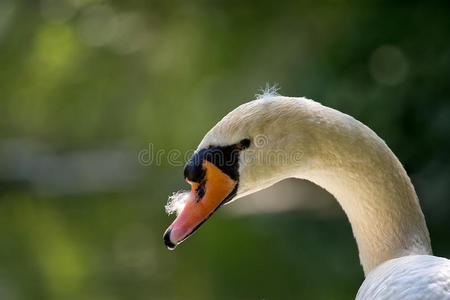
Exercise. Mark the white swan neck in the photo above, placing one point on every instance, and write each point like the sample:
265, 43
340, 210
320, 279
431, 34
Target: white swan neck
372, 187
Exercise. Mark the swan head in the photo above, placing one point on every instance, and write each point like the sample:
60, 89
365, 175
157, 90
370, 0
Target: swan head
249, 149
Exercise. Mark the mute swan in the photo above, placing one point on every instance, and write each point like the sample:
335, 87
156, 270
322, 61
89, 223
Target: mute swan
274, 137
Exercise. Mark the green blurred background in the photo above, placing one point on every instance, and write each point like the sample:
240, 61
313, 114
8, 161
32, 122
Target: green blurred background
87, 85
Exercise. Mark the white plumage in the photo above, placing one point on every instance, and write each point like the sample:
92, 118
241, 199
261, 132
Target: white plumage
349, 160
413, 277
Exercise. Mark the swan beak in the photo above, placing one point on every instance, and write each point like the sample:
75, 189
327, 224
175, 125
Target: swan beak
201, 204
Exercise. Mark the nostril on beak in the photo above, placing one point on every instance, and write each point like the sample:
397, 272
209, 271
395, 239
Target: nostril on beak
167, 240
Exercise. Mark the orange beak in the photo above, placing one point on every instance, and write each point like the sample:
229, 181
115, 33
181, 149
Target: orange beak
198, 209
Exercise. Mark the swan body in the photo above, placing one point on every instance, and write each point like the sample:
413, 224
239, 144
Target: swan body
272, 138
418, 277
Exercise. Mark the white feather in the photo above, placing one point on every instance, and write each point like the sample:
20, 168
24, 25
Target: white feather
412, 277
176, 202
268, 92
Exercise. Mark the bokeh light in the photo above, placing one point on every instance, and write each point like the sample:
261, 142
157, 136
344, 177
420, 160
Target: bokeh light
388, 65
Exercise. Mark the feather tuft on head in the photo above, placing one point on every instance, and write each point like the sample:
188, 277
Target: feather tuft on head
268, 92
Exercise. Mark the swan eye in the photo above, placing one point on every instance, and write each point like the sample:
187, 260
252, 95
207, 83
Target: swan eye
201, 191
244, 144
194, 172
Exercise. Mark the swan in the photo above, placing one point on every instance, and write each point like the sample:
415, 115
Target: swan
275, 137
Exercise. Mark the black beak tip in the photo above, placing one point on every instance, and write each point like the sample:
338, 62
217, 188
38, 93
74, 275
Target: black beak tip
167, 240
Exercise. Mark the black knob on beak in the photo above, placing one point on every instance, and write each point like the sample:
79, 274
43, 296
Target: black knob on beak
167, 240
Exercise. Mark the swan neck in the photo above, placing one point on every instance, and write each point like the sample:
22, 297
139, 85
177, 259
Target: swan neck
372, 187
